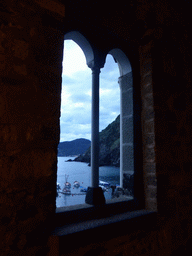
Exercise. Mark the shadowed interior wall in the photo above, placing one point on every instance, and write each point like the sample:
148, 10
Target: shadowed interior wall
155, 36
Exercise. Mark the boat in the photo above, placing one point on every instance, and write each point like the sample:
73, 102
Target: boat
66, 191
104, 183
76, 184
67, 184
83, 189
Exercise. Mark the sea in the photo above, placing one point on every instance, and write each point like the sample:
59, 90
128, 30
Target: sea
81, 172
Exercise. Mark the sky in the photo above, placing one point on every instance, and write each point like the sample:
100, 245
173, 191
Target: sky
75, 121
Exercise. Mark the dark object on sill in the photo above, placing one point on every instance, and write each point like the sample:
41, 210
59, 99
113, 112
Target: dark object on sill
95, 196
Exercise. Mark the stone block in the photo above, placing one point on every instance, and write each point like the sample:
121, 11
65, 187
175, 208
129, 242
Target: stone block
48, 80
128, 158
151, 192
148, 100
21, 49
149, 155
145, 51
127, 103
52, 6
146, 68
3, 106
147, 80
147, 88
149, 114
23, 102
149, 126
127, 129
18, 136
149, 139
126, 82
2, 63
151, 204
149, 168
48, 52
50, 104
151, 180
50, 131
5, 172
20, 69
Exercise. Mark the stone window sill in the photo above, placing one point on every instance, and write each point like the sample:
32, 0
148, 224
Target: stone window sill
115, 213
134, 219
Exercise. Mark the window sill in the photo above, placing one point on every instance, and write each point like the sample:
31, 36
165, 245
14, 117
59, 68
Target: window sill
83, 212
114, 215
132, 220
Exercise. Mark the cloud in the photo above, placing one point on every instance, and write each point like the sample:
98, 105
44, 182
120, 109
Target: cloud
73, 130
75, 121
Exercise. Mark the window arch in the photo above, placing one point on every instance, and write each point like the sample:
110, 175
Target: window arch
122, 60
78, 38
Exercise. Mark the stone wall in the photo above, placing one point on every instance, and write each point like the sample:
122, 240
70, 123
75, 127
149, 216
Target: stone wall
30, 84
31, 48
148, 123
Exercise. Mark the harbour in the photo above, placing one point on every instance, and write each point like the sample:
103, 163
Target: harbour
81, 172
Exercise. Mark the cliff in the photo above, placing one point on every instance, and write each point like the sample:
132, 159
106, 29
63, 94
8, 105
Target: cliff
109, 146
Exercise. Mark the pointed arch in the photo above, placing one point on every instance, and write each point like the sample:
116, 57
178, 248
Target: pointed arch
78, 38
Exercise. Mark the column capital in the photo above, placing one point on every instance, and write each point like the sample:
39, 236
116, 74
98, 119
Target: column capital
96, 69
96, 64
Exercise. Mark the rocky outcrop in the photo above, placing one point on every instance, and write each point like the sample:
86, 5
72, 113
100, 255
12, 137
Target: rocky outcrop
109, 146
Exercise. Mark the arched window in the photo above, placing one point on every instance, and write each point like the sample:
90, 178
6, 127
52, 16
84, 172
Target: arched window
75, 123
95, 61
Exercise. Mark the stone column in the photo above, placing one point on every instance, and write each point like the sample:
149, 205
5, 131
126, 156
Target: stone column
95, 128
94, 194
126, 128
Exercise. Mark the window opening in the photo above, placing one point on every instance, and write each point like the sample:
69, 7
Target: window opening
109, 119
120, 103
76, 99
75, 127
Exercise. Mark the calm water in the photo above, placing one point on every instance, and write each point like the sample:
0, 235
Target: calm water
81, 172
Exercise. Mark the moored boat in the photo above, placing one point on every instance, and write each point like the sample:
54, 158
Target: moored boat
104, 183
67, 184
76, 184
66, 191
83, 189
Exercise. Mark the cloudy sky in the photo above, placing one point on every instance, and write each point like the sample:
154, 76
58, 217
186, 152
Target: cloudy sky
75, 119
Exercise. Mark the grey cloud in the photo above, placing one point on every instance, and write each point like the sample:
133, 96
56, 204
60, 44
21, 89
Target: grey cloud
81, 96
75, 121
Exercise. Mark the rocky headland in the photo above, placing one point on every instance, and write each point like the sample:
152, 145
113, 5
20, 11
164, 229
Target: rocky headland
109, 146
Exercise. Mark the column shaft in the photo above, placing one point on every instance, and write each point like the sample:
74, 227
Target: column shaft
95, 129
94, 195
